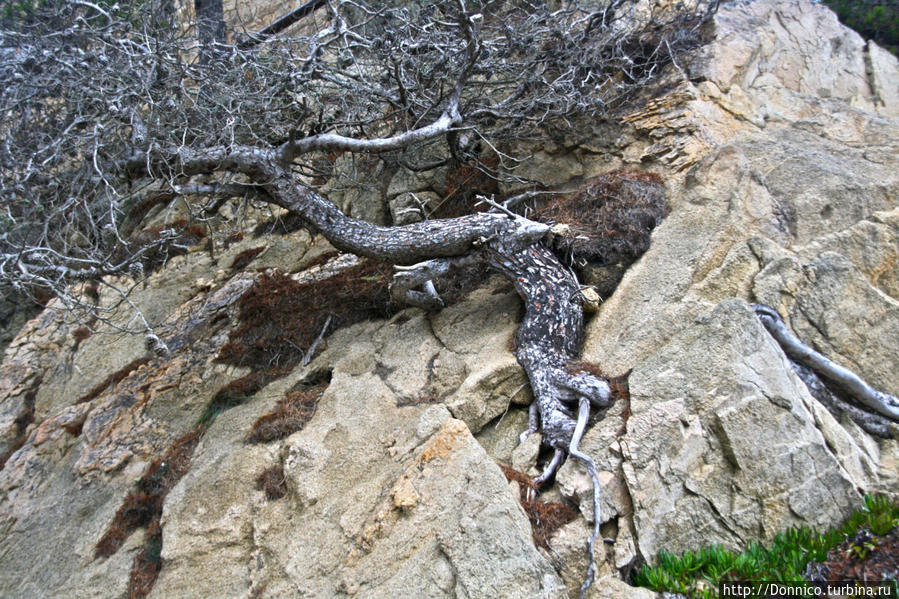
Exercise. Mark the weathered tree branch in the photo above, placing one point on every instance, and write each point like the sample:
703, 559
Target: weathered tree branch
871, 422
872, 399
283, 22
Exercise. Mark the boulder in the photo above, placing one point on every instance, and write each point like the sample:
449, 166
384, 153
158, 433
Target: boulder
723, 444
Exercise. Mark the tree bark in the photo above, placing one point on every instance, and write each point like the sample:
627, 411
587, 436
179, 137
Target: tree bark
549, 337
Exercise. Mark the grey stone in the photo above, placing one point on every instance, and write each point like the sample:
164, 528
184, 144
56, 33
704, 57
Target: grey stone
722, 445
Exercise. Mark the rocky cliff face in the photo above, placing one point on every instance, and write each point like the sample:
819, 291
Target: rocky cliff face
779, 146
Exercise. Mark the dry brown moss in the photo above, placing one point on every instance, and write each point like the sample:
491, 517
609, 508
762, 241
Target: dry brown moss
281, 318
546, 517
242, 259
113, 379
143, 505
611, 217
463, 184
80, 334
237, 391
147, 564
273, 482
290, 415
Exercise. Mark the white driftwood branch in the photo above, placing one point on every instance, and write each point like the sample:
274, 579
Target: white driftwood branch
880, 402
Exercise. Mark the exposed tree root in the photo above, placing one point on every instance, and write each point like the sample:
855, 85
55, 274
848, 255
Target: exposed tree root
550, 334
582, 415
871, 422
548, 341
878, 407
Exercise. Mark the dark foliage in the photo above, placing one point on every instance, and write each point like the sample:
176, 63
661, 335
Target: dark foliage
611, 217
273, 482
877, 20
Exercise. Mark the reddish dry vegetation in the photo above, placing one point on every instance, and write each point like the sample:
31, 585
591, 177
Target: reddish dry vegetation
237, 391
80, 334
186, 234
233, 238
546, 517
147, 563
291, 414
865, 558
463, 184
281, 318
242, 259
143, 505
113, 379
614, 215
273, 482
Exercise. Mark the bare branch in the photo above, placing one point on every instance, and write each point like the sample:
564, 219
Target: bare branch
283, 22
880, 402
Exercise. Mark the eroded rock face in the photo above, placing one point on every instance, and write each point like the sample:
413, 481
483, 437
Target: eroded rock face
780, 155
731, 450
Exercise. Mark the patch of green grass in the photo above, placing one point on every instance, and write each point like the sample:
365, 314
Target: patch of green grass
697, 574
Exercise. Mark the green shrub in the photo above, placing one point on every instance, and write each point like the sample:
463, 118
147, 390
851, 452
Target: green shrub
877, 20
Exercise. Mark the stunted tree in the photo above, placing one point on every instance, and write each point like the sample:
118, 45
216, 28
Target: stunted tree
108, 109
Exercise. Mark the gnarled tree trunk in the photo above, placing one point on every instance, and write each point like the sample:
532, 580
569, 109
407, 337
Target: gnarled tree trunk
550, 334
